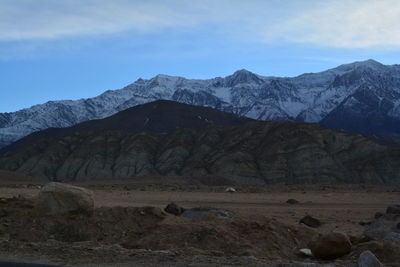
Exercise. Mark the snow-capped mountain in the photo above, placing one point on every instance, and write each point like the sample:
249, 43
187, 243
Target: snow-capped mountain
361, 96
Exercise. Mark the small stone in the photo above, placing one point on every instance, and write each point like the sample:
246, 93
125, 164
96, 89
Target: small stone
306, 252
174, 209
393, 209
368, 259
310, 221
363, 223
230, 190
292, 201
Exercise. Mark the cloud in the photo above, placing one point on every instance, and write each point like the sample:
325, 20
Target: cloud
46, 19
343, 24
330, 23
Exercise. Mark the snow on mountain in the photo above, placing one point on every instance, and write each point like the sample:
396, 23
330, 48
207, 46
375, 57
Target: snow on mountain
330, 97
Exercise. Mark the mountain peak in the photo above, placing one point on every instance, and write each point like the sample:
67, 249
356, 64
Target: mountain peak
243, 76
242, 71
370, 64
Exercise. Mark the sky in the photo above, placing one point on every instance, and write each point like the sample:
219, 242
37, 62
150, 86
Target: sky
72, 49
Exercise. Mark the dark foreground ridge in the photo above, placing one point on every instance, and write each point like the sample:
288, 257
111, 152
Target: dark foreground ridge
255, 153
159, 116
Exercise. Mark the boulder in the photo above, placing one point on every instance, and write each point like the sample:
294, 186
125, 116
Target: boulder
292, 201
310, 221
174, 209
330, 246
61, 199
393, 209
368, 259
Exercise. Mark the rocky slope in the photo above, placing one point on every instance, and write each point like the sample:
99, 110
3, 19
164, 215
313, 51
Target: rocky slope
362, 96
255, 153
159, 116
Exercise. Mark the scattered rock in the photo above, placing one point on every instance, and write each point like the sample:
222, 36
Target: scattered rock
393, 209
368, 259
386, 251
378, 215
292, 201
204, 211
383, 227
174, 209
331, 246
310, 221
230, 190
306, 252
61, 199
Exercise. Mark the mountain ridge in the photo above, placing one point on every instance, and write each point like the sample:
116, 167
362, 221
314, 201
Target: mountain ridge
310, 97
254, 153
160, 116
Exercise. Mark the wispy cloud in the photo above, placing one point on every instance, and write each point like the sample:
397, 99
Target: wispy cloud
344, 24
47, 19
331, 23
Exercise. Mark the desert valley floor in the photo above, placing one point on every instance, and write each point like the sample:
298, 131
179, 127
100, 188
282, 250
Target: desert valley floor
195, 242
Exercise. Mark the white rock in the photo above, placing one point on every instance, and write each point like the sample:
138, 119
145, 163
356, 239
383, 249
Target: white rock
306, 252
230, 190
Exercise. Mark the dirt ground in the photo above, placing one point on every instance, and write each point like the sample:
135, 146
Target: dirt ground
340, 208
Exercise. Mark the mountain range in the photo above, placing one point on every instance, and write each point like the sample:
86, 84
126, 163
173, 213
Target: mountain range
361, 97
